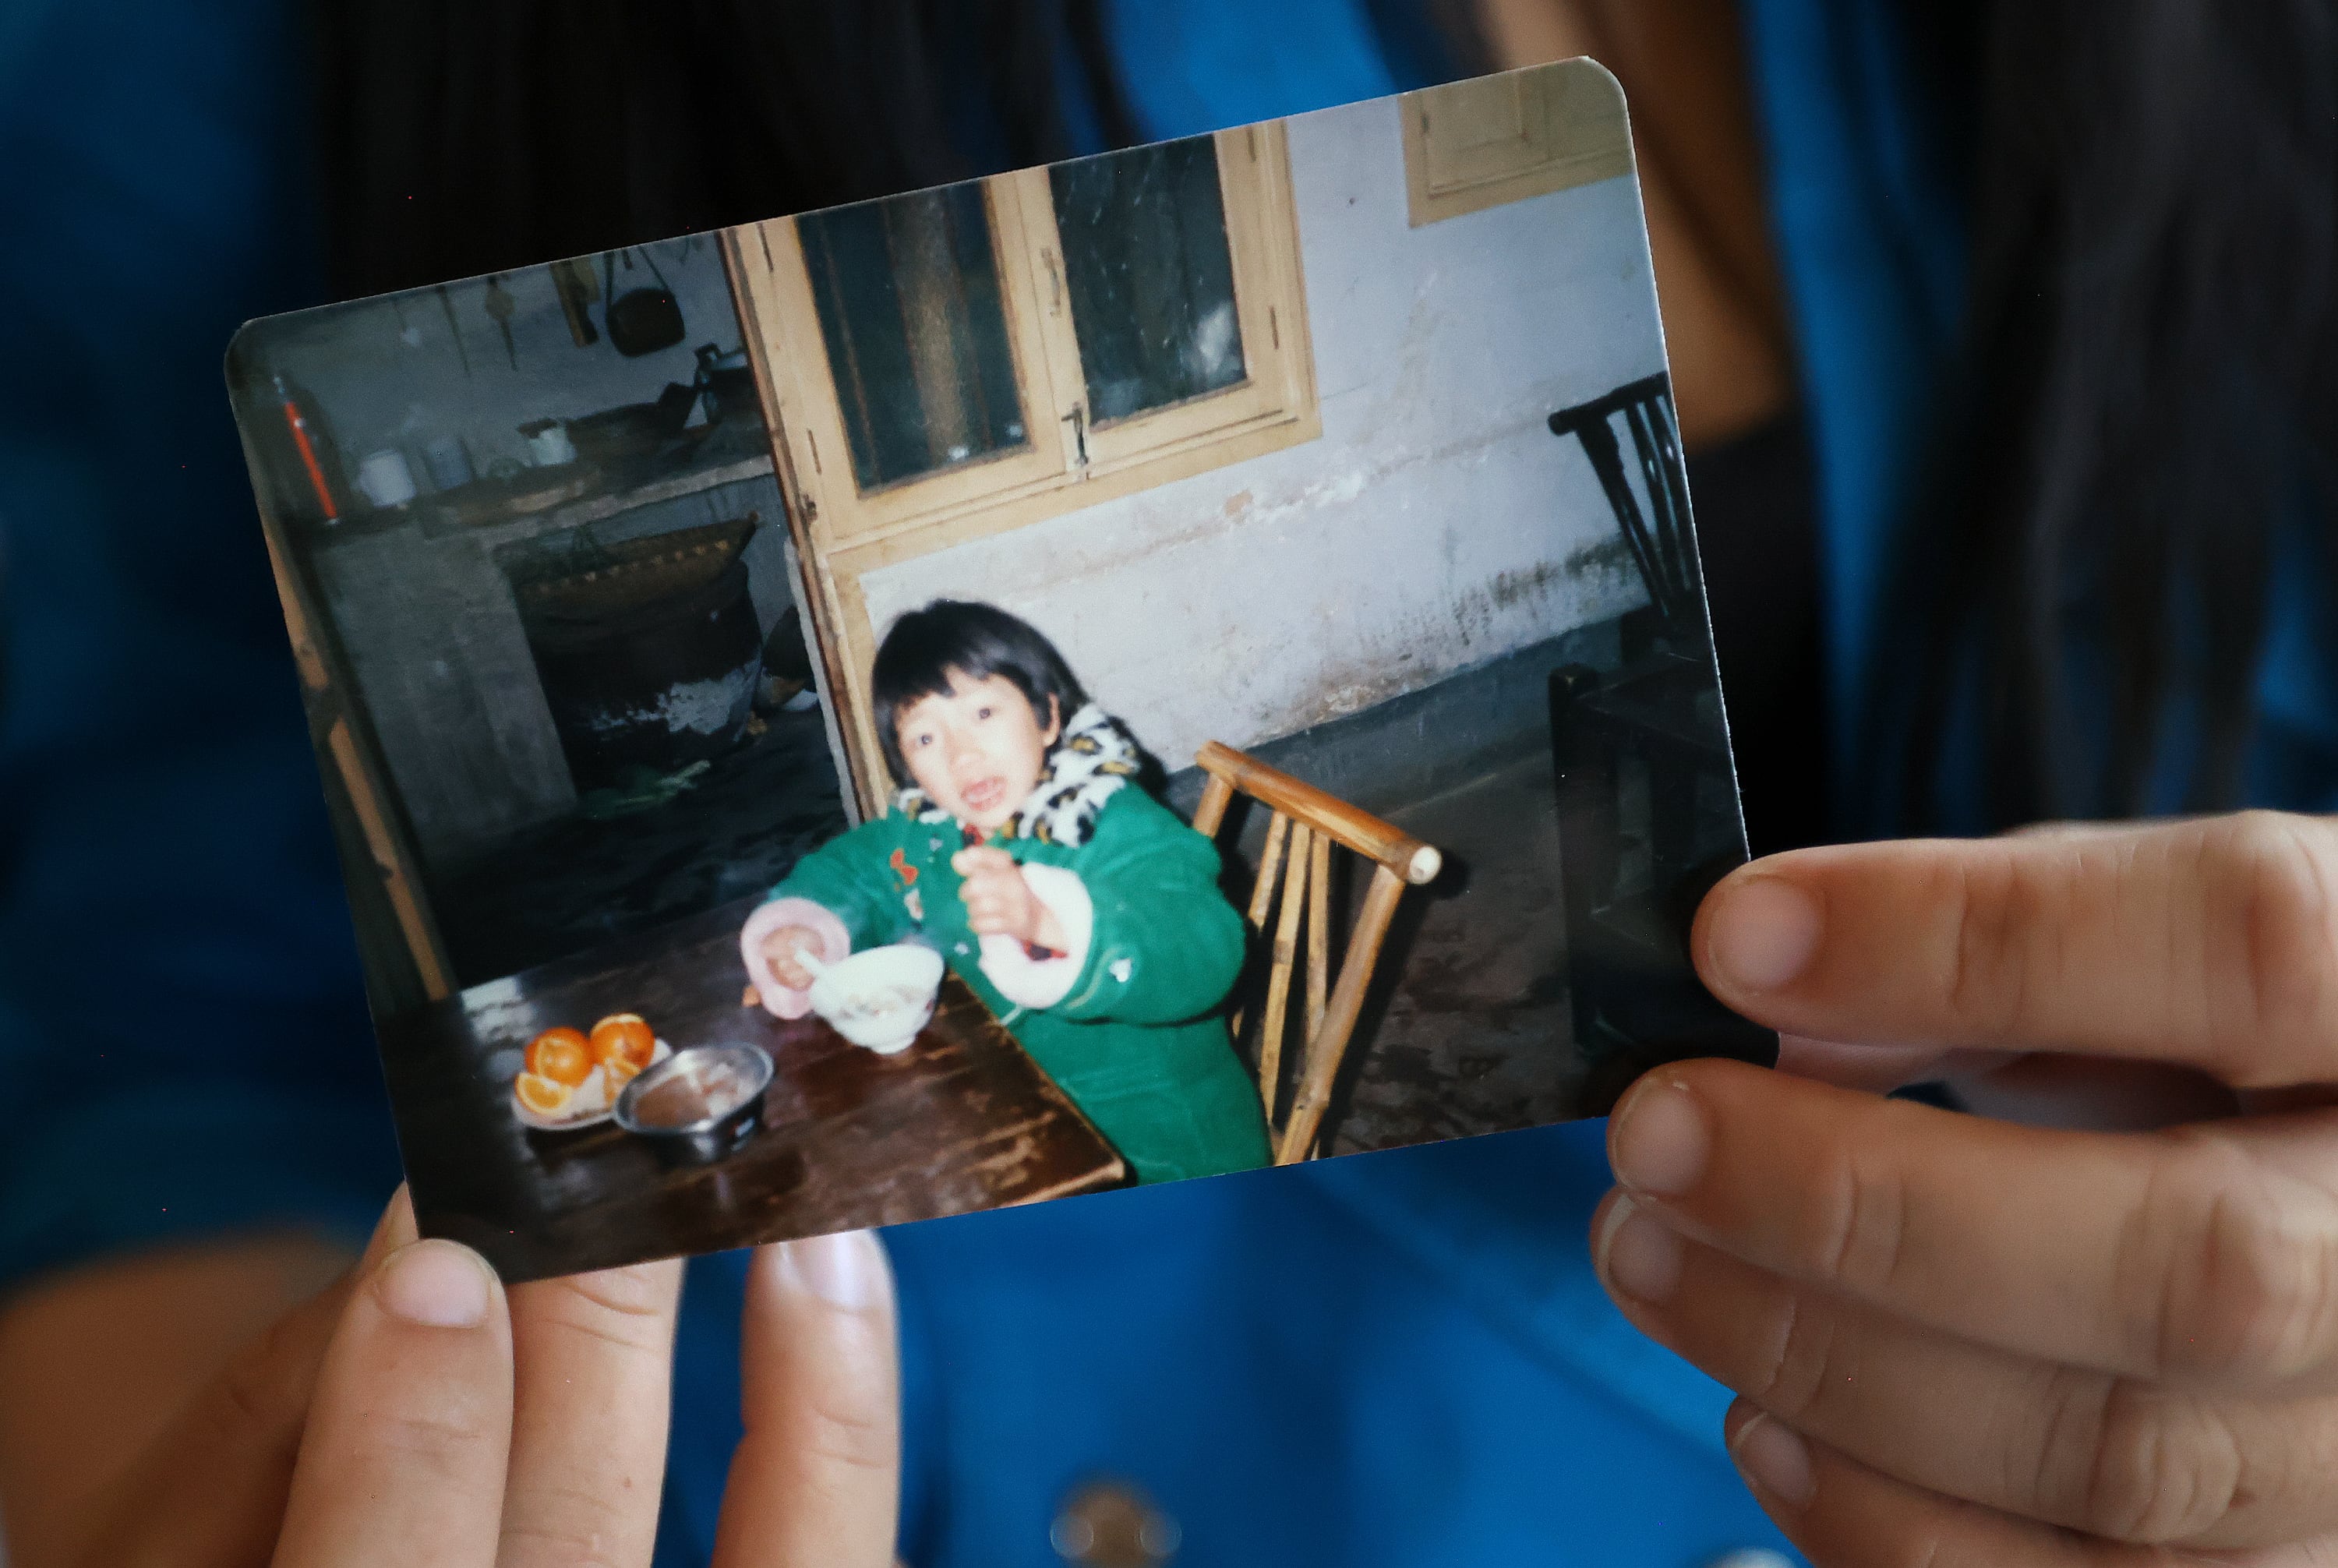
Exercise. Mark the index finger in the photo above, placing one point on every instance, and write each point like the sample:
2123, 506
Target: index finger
2212, 943
981, 859
2205, 1256
594, 1358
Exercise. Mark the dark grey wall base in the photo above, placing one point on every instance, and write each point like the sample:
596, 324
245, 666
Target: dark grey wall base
1423, 743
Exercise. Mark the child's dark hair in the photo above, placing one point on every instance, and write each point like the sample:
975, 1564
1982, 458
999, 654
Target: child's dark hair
978, 641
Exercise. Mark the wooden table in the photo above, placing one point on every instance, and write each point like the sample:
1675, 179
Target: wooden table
961, 1120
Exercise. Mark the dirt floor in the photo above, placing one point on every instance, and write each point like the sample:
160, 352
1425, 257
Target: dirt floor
573, 884
1474, 1034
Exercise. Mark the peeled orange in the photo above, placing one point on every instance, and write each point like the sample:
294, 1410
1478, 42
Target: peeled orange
562, 1055
622, 1042
545, 1096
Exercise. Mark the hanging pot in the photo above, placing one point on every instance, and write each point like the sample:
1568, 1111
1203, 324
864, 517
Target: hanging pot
643, 320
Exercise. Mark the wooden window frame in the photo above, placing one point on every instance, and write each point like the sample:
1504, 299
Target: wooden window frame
842, 533
1066, 462
1270, 308
1494, 140
813, 412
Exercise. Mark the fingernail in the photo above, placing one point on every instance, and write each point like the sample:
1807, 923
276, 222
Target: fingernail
1763, 932
1637, 1255
435, 1285
1658, 1142
1774, 1459
841, 1270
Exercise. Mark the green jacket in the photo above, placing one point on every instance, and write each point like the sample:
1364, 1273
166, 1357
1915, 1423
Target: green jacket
1137, 1042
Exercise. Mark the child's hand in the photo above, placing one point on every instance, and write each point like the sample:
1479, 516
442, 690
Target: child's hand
1000, 902
1964, 1340
783, 950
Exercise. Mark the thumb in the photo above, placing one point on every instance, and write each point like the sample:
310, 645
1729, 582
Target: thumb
210, 1491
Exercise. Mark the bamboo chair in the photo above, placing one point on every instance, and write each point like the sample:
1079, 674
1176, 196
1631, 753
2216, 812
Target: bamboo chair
1299, 838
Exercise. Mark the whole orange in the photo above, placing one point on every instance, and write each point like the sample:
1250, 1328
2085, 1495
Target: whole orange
622, 1041
562, 1055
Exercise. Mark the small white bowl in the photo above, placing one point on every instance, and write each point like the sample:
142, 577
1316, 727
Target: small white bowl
879, 998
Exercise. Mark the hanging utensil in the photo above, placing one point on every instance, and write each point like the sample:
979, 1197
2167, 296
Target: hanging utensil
575, 282
644, 320
455, 329
500, 307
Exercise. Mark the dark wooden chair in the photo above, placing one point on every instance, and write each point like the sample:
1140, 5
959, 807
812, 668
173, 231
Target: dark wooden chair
1647, 799
1658, 535
1297, 864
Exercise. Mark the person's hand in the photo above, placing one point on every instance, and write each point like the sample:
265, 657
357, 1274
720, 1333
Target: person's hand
783, 950
1000, 902
418, 1413
1963, 1341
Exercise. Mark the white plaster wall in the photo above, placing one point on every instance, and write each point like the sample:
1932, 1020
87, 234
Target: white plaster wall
1436, 524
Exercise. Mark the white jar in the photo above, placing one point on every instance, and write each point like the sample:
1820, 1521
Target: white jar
386, 478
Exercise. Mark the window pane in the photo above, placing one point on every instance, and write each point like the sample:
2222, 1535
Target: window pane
1152, 279
908, 294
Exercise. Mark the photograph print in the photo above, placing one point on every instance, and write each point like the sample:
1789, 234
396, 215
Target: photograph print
1181, 661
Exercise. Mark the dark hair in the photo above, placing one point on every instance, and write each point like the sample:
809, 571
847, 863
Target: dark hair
977, 642
2150, 392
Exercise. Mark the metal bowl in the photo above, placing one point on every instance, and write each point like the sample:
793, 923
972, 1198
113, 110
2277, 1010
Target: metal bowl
727, 1084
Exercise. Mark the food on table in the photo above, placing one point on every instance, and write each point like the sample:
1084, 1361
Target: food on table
625, 1044
686, 1099
562, 1054
866, 1006
879, 998
545, 1096
573, 1077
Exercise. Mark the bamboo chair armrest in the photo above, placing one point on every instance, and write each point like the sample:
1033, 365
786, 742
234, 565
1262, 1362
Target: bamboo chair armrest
1360, 831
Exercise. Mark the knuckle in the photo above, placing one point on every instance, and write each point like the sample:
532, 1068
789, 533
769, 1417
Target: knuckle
2268, 878
629, 1309
1860, 1242
260, 1392
245, 1403
2153, 1468
445, 1440
574, 1527
1800, 1367
1993, 902
841, 1432
2244, 1294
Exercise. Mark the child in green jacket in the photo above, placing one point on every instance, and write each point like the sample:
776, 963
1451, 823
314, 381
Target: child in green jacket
1081, 910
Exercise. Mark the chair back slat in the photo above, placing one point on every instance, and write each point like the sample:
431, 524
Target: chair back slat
1290, 911
1659, 536
1314, 1096
1319, 931
1284, 955
1270, 863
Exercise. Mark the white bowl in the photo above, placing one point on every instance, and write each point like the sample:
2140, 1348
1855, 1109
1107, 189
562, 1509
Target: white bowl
879, 998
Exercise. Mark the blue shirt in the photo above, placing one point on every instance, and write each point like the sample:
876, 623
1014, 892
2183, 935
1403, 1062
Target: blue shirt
1392, 1358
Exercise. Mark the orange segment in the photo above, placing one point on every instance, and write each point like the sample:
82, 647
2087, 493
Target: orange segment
545, 1096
